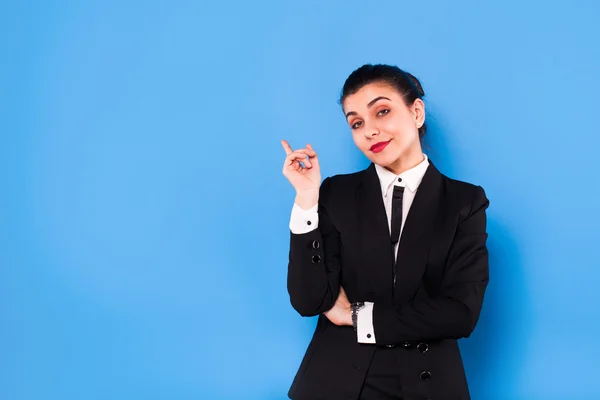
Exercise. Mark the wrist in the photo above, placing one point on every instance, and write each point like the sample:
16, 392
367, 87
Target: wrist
307, 199
354, 309
349, 316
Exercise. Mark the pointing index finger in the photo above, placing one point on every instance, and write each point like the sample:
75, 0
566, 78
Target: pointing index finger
286, 147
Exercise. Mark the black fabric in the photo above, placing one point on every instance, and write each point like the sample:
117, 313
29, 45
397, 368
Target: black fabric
441, 280
383, 381
396, 214
396, 224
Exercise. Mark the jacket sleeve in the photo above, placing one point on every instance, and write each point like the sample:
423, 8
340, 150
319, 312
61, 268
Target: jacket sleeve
313, 279
454, 311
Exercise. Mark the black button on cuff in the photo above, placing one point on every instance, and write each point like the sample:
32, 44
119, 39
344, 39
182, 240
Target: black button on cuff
316, 259
423, 347
369, 335
308, 222
426, 375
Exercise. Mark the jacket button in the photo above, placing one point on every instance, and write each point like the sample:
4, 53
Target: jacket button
316, 259
426, 375
390, 345
423, 347
406, 345
316, 244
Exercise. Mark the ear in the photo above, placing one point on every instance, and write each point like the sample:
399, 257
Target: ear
418, 110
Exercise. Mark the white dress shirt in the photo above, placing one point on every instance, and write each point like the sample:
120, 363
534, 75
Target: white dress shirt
304, 221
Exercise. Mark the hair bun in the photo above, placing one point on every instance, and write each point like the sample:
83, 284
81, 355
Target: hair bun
416, 82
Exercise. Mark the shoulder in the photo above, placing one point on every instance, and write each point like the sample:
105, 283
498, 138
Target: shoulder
460, 187
470, 196
344, 180
340, 185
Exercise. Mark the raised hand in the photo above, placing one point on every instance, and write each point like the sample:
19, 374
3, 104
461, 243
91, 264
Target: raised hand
306, 180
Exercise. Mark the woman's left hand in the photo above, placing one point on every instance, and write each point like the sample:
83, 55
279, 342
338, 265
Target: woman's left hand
340, 314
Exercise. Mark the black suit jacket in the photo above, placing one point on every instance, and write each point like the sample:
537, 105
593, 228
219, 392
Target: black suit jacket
441, 279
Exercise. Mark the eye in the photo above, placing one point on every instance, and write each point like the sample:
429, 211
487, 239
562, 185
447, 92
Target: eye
356, 125
383, 112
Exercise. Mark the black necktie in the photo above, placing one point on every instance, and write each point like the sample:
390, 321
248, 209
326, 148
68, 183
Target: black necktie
396, 220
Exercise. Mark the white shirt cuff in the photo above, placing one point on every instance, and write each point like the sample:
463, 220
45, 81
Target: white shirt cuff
364, 324
304, 221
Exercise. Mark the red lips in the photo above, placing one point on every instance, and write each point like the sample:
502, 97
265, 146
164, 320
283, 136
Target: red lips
377, 147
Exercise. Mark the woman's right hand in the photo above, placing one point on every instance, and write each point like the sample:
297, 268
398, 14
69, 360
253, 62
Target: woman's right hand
307, 180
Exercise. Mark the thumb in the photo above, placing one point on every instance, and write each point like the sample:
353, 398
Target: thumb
315, 159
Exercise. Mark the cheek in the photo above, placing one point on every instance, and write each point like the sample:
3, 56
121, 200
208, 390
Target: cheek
401, 128
359, 139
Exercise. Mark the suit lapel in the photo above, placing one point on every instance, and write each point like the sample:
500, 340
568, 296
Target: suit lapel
377, 259
376, 247
417, 235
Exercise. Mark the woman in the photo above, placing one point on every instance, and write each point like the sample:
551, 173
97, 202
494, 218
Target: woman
392, 259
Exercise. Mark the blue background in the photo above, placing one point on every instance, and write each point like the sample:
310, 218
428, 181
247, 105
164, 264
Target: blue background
144, 216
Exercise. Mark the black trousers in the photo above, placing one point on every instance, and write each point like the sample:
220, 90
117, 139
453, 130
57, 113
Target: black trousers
383, 377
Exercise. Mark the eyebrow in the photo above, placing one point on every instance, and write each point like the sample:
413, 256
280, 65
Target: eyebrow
375, 100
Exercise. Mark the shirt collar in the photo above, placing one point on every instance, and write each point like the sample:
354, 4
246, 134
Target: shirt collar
411, 177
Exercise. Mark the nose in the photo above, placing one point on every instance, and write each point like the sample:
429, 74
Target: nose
371, 131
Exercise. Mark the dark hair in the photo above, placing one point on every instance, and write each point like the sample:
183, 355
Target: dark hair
405, 83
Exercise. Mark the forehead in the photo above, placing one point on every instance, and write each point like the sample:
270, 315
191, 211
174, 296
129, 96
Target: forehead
364, 95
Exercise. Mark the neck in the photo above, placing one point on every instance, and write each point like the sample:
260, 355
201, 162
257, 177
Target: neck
411, 159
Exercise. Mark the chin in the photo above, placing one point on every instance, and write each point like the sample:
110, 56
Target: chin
392, 155
388, 156
382, 159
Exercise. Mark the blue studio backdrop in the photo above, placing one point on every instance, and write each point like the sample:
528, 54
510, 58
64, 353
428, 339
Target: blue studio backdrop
144, 217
